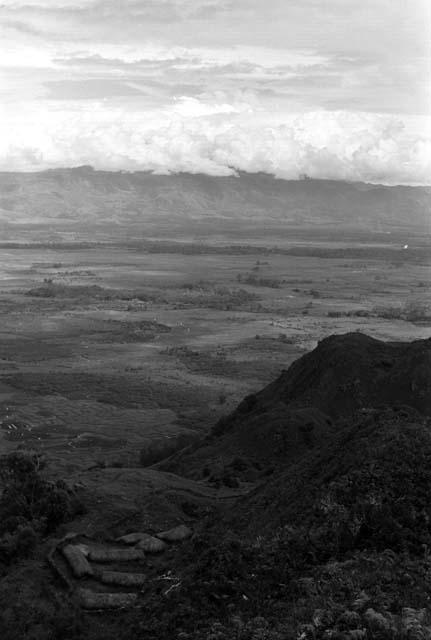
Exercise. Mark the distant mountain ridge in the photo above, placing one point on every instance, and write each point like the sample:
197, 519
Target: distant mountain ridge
84, 195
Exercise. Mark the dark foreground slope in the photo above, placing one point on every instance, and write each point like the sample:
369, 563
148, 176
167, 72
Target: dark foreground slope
333, 538
302, 409
334, 546
335, 543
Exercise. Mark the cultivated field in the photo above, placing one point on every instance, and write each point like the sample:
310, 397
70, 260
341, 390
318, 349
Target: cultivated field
115, 355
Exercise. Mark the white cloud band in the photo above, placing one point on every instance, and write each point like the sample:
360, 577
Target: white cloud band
218, 138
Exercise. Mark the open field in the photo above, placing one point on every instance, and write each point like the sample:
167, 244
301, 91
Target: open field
111, 355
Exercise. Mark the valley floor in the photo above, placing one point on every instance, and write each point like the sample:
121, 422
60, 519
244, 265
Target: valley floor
118, 355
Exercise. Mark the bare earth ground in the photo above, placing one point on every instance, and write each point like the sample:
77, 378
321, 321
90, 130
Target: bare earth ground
106, 352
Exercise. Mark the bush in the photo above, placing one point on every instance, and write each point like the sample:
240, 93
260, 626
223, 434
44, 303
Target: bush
414, 311
29, 504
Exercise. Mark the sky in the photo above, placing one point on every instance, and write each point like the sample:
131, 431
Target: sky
325, 88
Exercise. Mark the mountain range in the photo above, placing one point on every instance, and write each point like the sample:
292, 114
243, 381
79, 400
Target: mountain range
75, 198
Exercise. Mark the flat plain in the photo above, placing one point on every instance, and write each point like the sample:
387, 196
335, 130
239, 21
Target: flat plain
113, 355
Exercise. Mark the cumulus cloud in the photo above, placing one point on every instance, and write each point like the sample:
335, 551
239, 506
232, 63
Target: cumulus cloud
199, 85
219, 138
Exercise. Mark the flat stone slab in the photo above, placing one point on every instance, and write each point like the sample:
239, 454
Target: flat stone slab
112, 554
123, 579
177, 534
77, 561
150, 544
131, 538
92, 600
143, 541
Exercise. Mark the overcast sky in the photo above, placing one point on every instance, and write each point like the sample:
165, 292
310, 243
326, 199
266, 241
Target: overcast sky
330, 88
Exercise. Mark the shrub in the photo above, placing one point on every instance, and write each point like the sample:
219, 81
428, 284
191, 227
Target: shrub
30, 505
413, 311
416, 311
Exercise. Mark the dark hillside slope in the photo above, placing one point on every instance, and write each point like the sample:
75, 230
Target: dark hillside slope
335, 543
368, 485
334, 547
347, 372
303, 407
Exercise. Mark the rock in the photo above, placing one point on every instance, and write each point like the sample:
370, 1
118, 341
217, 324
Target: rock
92, 600
150, 544
113, 554
77, 561
123, 579
143, 541
131, 538
177, 534
84, 549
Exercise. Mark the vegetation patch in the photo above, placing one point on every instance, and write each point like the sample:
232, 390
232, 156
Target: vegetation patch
30, 506
221, 298
415, 311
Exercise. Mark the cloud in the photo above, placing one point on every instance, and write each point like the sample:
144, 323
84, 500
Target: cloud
136, 5
47, 4
156, 10
207, 85
128, 55
217, 137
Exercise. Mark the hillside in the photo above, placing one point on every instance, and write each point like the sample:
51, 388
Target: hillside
334, 546
300, 410
334, 542
82, 198
329, 534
